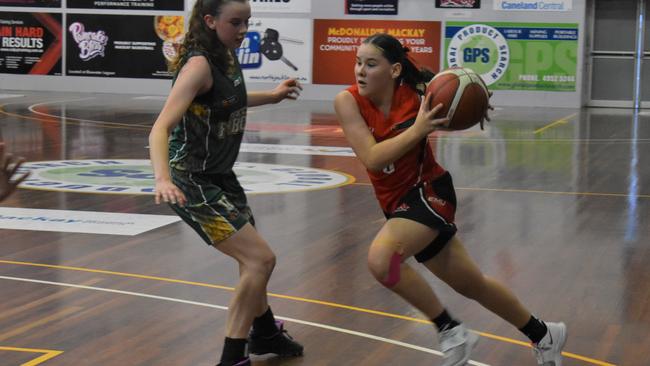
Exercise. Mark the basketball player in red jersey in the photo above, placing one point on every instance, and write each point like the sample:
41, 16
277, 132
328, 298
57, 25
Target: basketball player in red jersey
387, 123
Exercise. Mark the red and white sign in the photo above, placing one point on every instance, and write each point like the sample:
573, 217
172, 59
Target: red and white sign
336, 42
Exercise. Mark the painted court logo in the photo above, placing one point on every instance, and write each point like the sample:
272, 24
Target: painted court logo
481, 48
136, 177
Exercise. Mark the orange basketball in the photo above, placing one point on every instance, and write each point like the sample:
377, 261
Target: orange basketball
463, 94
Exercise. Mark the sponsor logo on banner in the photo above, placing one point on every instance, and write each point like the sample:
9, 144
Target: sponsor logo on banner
533, 5
126, 4
274, 49
136, 177
281, 6
30, 43
169, 28
91, 44
481, 48
88, 222
471, 4
516, 56
32, 3
127, 46
378, 7
248, 53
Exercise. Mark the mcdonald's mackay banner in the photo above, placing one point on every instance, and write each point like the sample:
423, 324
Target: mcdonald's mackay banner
516, 56
336, 42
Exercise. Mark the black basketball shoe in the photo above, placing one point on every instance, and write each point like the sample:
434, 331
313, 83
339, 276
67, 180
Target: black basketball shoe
279, 343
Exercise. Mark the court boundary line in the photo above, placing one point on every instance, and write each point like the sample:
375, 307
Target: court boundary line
597, 194
557, 122
220, 307
48, 354
295, 298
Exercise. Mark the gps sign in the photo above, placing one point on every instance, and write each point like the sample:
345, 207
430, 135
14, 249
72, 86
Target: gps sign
481, 48
516, 56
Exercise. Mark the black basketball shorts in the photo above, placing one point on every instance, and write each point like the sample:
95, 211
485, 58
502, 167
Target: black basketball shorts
432, 204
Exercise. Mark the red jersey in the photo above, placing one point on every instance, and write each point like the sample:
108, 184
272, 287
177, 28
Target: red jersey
417, 165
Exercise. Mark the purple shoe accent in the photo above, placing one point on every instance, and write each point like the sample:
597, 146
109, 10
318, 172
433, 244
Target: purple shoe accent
244, 362
279, 324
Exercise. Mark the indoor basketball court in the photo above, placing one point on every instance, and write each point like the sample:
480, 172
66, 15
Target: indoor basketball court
553, 197
551, 203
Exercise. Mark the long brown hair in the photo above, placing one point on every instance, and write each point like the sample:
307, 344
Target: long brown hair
200, 37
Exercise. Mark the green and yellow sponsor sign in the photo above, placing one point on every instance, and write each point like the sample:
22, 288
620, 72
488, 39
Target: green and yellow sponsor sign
515, 56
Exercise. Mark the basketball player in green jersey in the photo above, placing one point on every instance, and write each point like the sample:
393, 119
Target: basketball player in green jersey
205, 114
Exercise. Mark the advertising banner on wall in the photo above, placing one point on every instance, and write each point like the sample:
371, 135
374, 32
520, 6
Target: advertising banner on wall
280, 6
336, 42
377, 7
127, 46
516, 56
30, 43
127, 4
32, 3
533, 5
276, 49
455, 4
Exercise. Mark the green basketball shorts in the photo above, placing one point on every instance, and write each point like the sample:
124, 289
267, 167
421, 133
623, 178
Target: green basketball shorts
216, 205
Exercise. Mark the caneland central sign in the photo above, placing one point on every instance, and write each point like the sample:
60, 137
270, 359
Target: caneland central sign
533, 5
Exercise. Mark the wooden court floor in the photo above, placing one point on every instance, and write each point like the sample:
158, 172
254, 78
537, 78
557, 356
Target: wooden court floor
552, 202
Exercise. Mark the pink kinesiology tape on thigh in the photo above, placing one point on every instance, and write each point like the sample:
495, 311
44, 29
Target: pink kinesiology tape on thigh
393, 271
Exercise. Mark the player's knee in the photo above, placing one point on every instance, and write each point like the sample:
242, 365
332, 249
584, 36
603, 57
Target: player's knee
260, 266
268, 262
386, 273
